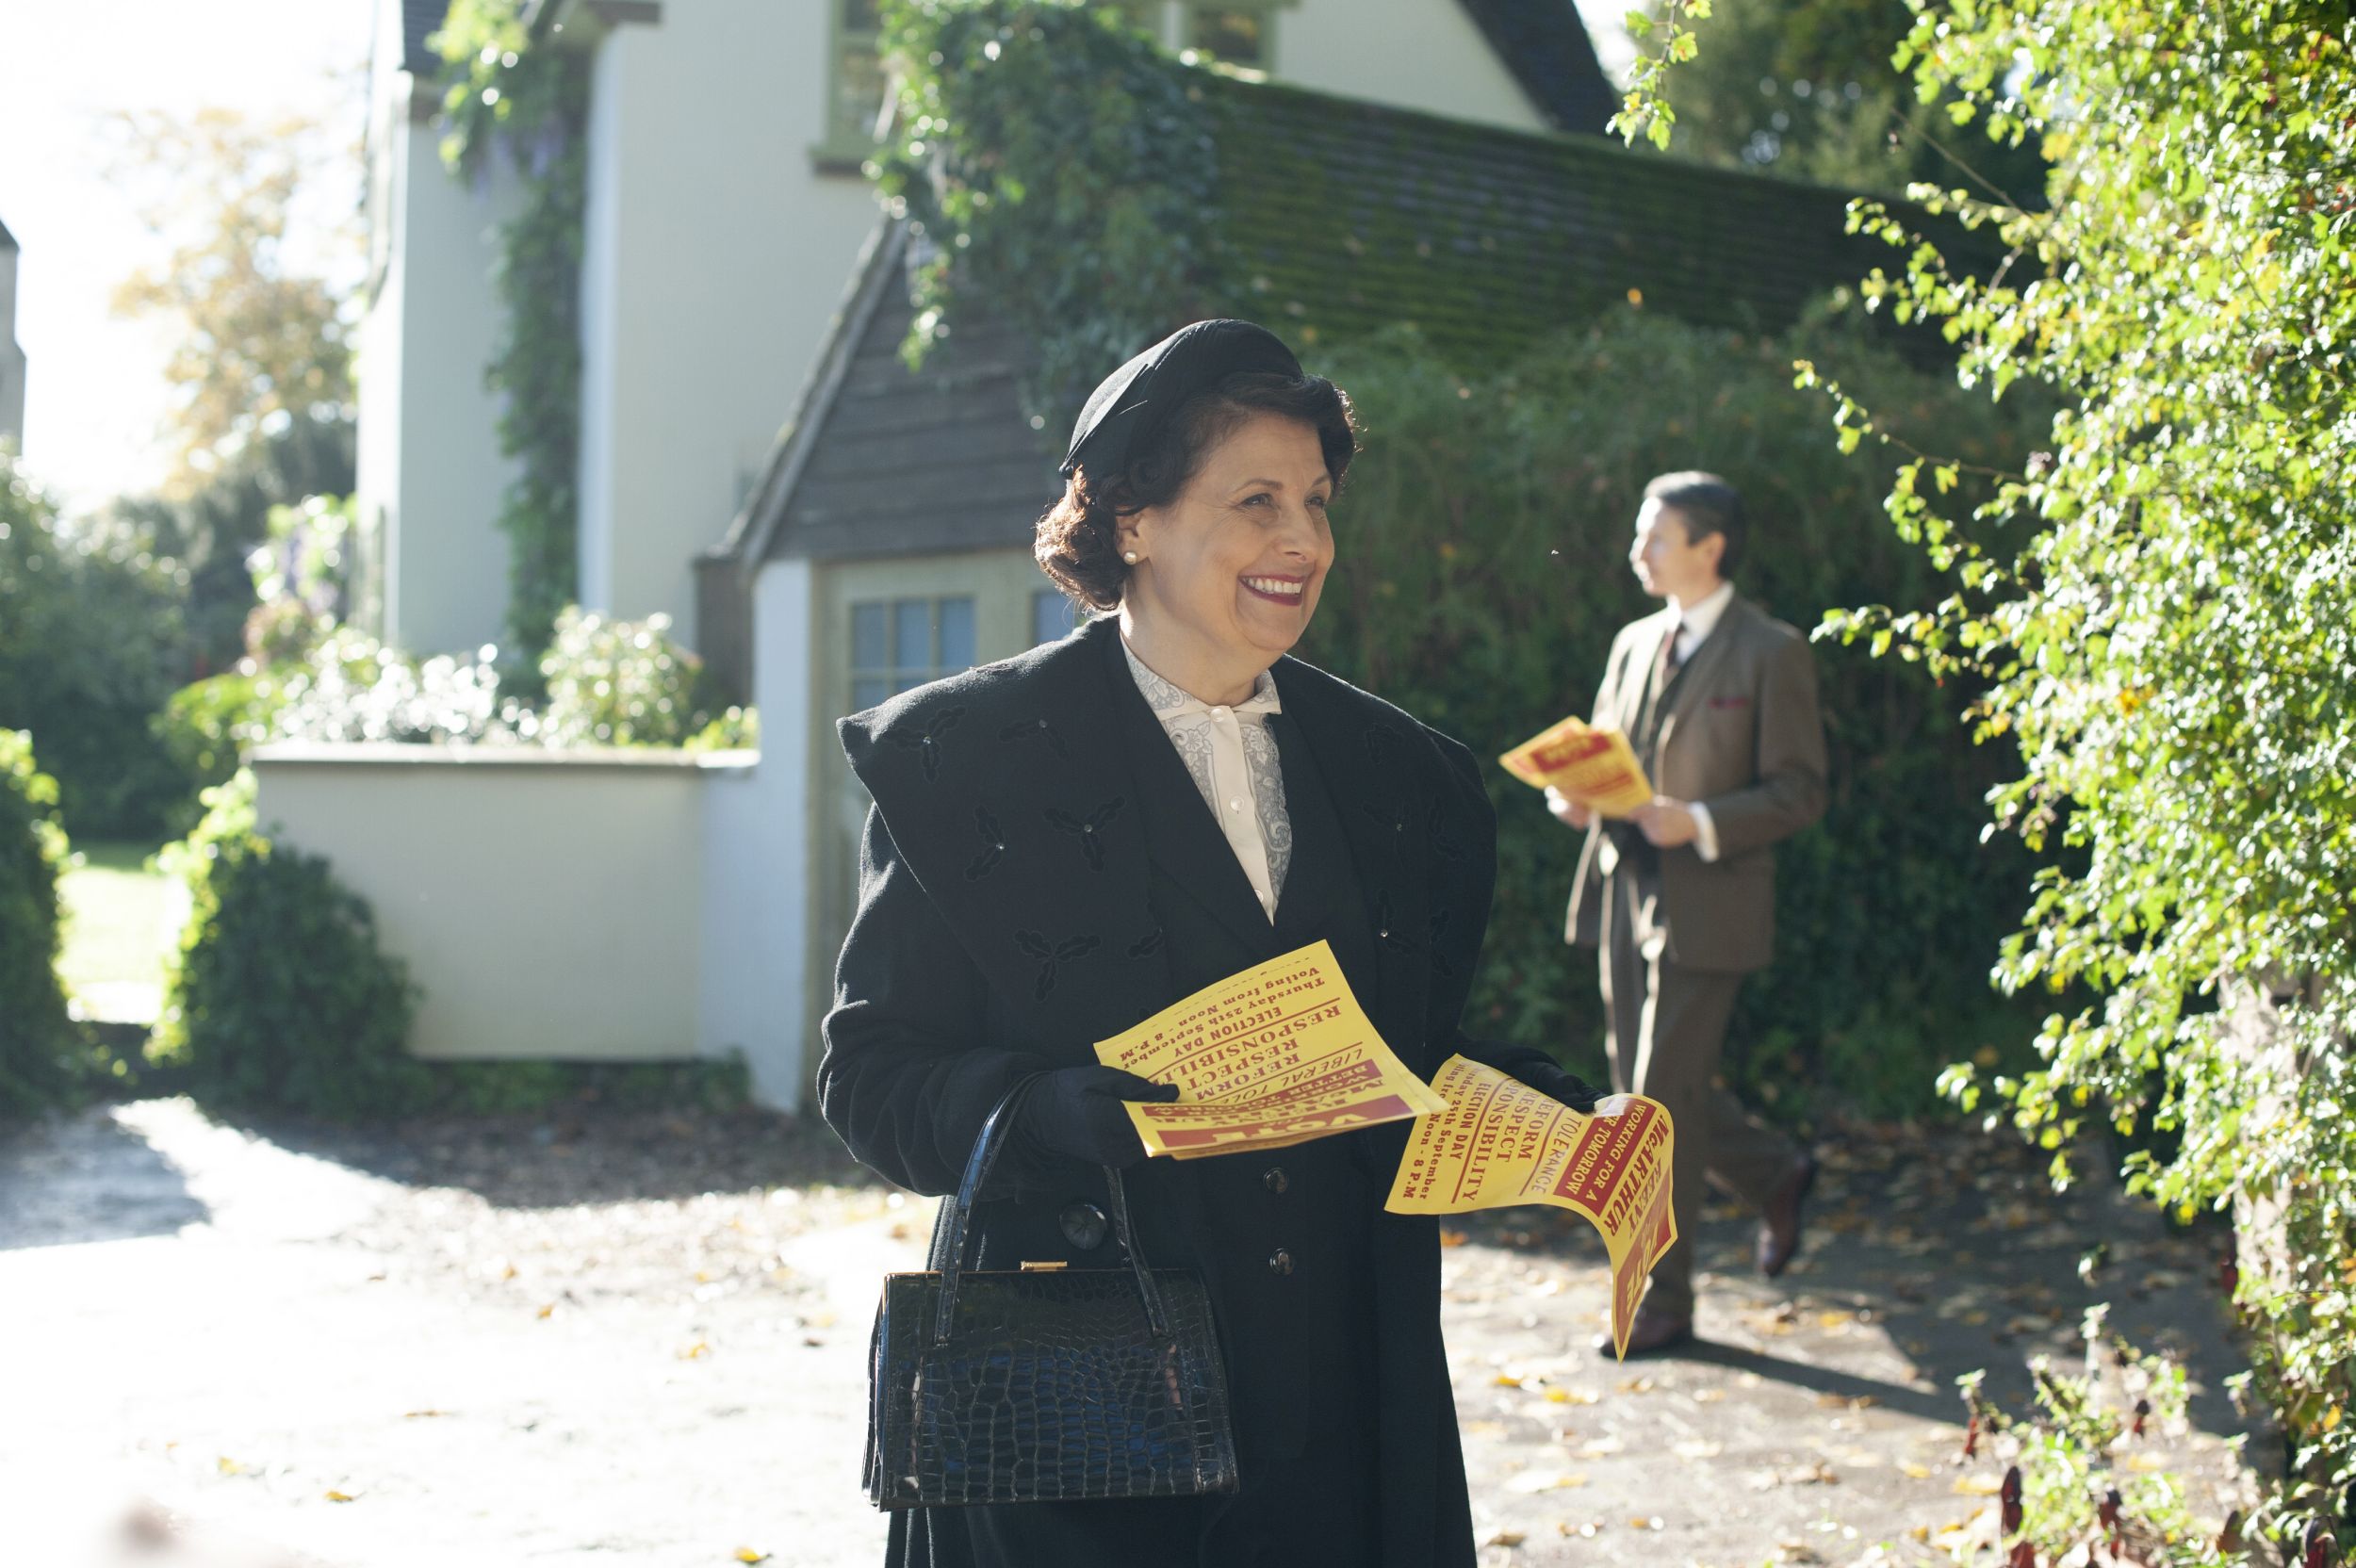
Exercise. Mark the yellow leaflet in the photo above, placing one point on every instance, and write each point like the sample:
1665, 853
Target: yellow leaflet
1275, 1055
1501, 1142
1596, 768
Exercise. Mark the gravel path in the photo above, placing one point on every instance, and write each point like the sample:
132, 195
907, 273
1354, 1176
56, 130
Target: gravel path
638, 1339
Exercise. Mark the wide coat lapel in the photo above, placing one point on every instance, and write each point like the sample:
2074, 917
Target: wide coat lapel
1693, 682
1010, 793
1372, 772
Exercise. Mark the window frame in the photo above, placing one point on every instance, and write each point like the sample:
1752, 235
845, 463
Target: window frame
1190, 24
840, 149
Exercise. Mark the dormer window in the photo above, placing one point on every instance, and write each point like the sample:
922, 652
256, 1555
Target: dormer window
1242, 34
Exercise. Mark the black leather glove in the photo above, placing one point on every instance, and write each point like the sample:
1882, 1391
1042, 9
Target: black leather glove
1076, 1112
1540, 1071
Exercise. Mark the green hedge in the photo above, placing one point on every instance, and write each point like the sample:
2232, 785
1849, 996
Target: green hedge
279, 997
1483, 572
37, 1038
90, 644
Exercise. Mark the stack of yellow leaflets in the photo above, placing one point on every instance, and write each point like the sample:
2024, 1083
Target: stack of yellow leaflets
1501, 1142
1596, 768
1281, 1053
1275, 1055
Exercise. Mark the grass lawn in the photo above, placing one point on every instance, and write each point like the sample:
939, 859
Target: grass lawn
120, 919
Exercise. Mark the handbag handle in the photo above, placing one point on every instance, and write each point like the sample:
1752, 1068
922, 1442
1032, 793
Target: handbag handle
995, 1133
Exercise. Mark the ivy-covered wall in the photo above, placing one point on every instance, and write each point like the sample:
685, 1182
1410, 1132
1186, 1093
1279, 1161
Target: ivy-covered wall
526, 99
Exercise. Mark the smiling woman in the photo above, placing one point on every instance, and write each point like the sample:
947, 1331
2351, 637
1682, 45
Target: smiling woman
1070, 841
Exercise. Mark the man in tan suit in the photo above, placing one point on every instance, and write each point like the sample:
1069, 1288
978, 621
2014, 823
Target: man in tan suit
1720, 703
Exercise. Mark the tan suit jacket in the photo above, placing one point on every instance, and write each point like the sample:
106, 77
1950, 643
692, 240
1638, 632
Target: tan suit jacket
1740, 735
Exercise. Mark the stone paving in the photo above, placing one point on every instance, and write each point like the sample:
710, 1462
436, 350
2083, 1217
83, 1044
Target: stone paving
639, 1340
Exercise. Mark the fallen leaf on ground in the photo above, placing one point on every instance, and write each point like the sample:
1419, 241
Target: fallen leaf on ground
696, 1351
1533, 1481
335, 1496
422, 1414
1974, 1486
745, 1553
1568, 1397
1695, 1447
1655, 1523
1916, 1472
1506, 1538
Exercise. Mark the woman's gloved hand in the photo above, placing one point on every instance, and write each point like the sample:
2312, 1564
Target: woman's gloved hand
1539, 1071
1076, 1112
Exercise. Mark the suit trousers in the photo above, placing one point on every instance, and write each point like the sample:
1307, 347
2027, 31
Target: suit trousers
1665, 1027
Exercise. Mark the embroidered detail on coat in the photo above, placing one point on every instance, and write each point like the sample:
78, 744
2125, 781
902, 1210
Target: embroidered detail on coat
1387, 930
1051, 956
1439, 951
1088, 829
1437, 831
1149, 944
1035, 729
927, 742
994, 838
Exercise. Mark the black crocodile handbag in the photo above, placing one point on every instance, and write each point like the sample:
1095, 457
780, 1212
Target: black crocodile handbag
1042, 1385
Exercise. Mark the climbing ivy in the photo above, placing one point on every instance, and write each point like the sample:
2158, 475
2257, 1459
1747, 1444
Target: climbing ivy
1061, 171
2161, 605
526, 99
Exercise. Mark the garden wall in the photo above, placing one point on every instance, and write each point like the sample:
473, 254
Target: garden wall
574, 906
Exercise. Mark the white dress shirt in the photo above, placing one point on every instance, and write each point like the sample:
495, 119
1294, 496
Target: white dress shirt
1695, 626
1231, 758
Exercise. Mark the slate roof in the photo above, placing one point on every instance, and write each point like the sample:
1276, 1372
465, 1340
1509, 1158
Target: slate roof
1341, 216
1338, 218
420, 20
1544, 43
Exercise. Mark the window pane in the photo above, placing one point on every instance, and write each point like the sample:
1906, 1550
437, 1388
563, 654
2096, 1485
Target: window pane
956, 635
869, 648
868, 690
858, 88
1239, 38
907, 683
912, 634
1051, 617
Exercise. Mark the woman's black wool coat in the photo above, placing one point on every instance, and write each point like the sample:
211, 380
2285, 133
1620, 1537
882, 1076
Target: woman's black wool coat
1040, 874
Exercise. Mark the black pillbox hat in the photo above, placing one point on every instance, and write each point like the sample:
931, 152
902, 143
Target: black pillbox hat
1132, 403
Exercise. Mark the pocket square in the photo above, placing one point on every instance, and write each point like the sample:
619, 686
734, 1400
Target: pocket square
1730, 702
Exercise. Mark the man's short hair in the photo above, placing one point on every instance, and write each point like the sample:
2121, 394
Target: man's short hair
1708, 505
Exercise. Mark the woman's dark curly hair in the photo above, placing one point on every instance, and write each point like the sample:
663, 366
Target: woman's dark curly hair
1076, 542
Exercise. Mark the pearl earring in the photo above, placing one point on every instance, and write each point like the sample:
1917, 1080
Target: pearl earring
1130, 556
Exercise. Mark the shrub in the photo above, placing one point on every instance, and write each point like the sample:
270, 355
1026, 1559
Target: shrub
1482, 573
279, 997
625, 683
90, 644
37, 1040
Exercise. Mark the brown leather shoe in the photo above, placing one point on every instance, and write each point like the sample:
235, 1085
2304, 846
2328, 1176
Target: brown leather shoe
1652, 1333
1779, 1217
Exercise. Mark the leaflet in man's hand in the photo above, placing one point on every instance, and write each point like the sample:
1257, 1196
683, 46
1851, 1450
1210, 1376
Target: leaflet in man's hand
1276, 1055
1596, 768
1501, 1142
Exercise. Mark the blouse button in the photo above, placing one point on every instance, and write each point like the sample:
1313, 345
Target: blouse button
1218, 713
1234, 805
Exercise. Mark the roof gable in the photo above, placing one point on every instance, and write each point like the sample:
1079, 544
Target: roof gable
1545, 45
420, 21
